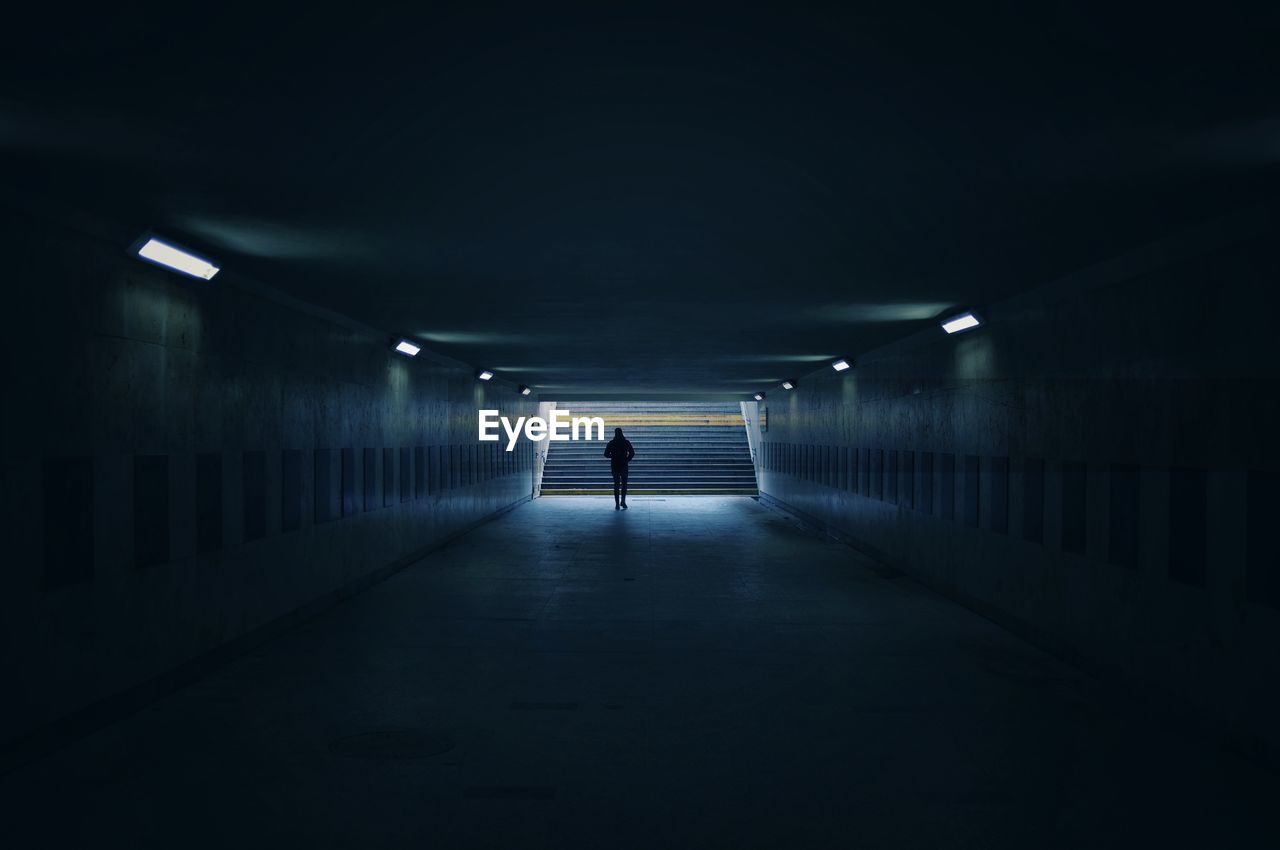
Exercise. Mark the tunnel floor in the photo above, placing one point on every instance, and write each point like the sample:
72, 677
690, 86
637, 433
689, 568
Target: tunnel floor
694, 672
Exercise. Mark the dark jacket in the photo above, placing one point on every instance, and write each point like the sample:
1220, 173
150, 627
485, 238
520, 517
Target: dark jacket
619, 453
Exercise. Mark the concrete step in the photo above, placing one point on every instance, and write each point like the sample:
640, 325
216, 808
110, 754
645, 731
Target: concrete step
652, 463
605, 480
673, 445
681, 448
624, 421
675, 491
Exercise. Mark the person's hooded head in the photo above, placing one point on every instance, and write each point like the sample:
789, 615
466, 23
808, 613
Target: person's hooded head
617, 434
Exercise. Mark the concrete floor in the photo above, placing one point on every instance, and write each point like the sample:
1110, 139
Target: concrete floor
695, 672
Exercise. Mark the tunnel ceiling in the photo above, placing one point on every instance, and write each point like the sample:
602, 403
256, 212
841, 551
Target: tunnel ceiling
676, 202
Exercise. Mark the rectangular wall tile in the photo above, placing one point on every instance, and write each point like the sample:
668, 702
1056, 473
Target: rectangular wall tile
947, 486
907, 498
406, 474
369, 460
389, 490
1123, 536
254, 482
349, 504
877, 473
348, 488
926, 482
68, 520
208, 502
419, 472
891, 477
437, 478
290, 489
322, 464
970, 482
998, 515
150, 510
1075, 515
1188, 525
1033, 500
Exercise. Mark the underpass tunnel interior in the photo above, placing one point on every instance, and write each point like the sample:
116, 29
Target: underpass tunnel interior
767, 428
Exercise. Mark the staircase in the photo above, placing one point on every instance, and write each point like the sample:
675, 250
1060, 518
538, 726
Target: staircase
682, 448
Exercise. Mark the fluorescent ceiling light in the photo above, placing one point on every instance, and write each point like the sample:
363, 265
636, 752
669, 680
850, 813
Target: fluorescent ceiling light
963, 322
484, 374
759, 396
173, 257
788, 385
406, 347
524, 390
840, 365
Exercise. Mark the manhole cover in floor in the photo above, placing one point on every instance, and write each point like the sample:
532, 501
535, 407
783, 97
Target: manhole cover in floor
392, 744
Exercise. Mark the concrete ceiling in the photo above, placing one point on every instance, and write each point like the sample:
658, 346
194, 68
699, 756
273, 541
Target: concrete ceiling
646, 202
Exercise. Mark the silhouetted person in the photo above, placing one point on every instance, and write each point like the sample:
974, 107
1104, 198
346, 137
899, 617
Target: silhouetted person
620, 453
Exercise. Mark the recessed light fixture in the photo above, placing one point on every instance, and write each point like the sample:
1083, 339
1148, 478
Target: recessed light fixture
408, 348
840, 365
170, 256
484, 374
524, 390
759, 396
788, 385
962, 322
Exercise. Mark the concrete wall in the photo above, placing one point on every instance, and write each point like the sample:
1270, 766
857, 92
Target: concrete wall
186, 461
1096, 467
540, 448
751, 420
